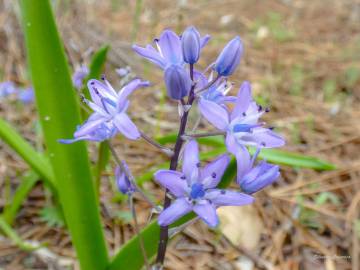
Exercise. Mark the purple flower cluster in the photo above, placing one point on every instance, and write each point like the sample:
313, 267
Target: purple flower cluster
194, 188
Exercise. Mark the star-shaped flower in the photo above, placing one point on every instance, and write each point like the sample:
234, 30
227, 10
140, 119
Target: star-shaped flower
241, 125
109, 117
195, 188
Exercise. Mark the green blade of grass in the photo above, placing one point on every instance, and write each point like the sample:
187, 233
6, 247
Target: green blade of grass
25, 186
59, 114
35, 160
14, 237
294, 159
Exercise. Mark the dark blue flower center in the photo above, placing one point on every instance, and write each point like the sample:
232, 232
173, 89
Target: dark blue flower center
243, 128
197, 191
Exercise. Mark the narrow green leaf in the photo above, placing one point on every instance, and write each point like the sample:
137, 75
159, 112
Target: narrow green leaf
59, 113
294, 159
12, 207
35, 160
14, 237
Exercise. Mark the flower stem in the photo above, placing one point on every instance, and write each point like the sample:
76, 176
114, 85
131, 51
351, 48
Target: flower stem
162, 148
164, 230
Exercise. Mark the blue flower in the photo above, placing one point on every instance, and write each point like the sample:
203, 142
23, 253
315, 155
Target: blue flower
254, 178
241, 125
195, 188
122, 181
191, 44
229, 58
109, 117
169, 50
217, 92
79, 75
7, 88
26, 95
177, 81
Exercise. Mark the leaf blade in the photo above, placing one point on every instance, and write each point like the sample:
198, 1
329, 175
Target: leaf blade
54, 92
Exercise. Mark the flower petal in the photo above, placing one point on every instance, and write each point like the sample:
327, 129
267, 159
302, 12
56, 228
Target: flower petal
212, 173
151, 54
170, 46
204, 40
231, 144
222, 197
243, 100
100, 90
207, 212
172, 180
259, 177
88, 127
127, 90
191, 161
176, 210
264, 138
127, 127
214, 113
243, 161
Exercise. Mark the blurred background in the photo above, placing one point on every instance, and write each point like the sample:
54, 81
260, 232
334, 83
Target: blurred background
303, 60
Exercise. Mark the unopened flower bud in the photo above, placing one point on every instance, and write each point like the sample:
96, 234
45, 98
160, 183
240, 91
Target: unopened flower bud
122, 181
190, 45
229, 58
259, 177
177, 81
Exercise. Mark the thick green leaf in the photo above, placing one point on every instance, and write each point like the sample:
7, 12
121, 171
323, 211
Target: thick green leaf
272, 155
129, 256
59, 113
35, 160
25, 186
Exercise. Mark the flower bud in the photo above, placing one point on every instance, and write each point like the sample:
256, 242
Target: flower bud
122, 181
229, 58
190, 45
177, 81
259, 177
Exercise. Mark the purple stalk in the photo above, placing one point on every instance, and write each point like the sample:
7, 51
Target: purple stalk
164, 230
